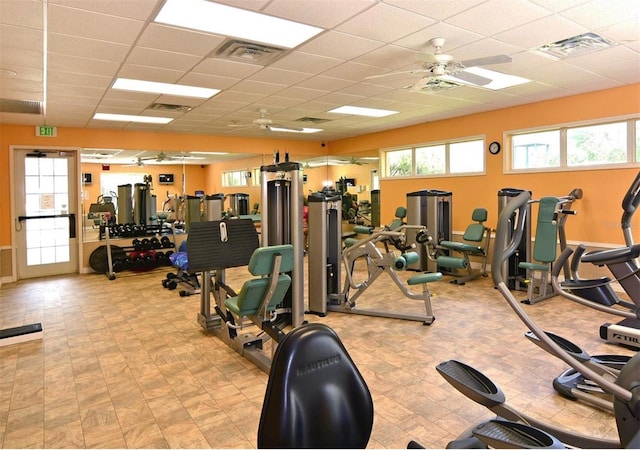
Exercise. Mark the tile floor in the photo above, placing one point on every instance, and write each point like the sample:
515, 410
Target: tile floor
124, 364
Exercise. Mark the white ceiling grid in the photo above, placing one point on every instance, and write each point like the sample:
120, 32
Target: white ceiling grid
93, 42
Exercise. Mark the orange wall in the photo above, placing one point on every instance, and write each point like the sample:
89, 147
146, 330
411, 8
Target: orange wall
99, 138
599, 212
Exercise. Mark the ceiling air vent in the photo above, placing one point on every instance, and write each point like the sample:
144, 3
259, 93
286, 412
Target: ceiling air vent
20, 106
248, 52
575, 46
313, 120
169, 107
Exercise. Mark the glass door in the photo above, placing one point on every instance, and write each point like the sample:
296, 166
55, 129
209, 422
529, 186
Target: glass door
45, 207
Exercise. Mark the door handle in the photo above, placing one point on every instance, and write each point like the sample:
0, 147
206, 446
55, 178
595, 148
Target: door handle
72, 226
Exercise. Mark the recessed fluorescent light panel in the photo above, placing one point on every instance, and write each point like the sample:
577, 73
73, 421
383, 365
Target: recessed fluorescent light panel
358, 111
290, 130
229, 21
127, 84
128, 118
499, 80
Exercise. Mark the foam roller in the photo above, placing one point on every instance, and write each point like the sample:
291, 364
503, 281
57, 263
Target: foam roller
453, 263
402, 261
361, 229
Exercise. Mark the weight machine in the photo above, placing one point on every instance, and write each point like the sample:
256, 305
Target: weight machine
327, 260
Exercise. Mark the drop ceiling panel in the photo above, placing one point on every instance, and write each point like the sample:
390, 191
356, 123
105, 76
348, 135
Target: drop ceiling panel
149, 57
602, 13
24, 13
162, 75
131, 9
326, 14
224, 68
436, 9
385, 23
84, 65
93, 25
340, 45
542, 31
306, 62
91, 42
86, 48
20, 37
162, 37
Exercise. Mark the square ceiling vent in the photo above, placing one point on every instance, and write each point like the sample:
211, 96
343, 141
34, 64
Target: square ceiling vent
248, 52
8, 105
575, 46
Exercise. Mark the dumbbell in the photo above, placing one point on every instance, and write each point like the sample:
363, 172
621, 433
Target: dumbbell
155, 243
137, 245
166, 243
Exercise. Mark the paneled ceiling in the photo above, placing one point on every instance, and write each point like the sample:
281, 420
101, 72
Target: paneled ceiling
68, 53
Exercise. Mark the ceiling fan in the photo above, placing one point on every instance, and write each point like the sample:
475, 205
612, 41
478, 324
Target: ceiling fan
264, 123
353, 160
160, 157
438, 64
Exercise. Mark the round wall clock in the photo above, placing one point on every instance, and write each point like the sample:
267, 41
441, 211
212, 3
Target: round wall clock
494, 148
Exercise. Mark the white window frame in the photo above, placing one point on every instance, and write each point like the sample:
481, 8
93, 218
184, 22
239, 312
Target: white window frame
241, 173
632, 159
447, 172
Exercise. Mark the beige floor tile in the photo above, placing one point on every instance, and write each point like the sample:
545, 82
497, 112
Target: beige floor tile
124, 364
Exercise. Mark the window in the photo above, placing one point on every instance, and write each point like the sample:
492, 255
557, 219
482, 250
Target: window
534, 150
466, 157
431, 160
234, 178
599, 144
398, 163
593, 145
460, 157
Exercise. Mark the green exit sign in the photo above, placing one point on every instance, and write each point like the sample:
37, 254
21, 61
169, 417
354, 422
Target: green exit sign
46, 131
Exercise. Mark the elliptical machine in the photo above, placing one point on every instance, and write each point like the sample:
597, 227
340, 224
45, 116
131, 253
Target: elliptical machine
625, 389
597, 293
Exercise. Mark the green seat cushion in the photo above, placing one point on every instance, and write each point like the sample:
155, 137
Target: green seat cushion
253, 291
533, 266
462, 247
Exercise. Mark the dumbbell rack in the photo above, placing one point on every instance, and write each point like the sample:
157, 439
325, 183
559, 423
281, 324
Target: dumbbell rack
142, 255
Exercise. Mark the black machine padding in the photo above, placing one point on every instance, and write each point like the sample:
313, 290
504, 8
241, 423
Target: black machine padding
208, 250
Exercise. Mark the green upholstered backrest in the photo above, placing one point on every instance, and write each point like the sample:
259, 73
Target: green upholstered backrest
401, 213
475, 231
546, 231
261, 262
253, 291
479, 215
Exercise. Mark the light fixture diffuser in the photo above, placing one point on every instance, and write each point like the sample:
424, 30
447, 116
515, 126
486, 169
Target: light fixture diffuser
359, 111
291, 130
498, 80
229, 21
154, 87
129, 118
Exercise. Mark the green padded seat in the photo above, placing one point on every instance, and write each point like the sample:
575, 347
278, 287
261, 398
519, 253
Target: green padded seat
424, 278
253, 291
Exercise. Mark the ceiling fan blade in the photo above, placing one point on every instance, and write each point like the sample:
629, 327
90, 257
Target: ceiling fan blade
239, 125
415, 71
472, 78
487, 61
420, 84
428, 58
